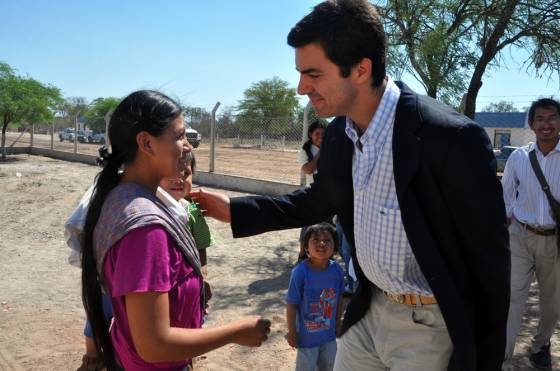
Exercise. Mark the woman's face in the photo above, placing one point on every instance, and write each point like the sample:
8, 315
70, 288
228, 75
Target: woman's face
316, 136
171, 150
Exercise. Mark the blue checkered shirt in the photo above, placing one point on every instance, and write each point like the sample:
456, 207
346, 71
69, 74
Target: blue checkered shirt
382, 247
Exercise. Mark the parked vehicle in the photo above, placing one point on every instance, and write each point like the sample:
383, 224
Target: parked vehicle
66, 134
83, 136
97, 138
193, 136
502, 155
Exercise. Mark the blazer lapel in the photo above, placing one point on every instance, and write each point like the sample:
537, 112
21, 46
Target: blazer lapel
406, 140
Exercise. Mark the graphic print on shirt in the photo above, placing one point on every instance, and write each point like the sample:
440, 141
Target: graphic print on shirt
320, 313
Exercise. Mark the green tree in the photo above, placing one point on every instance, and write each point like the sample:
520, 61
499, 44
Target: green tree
426, 44
199, 119
23, 99
502, 106
72, 108
449, 45
98, 109
269, 107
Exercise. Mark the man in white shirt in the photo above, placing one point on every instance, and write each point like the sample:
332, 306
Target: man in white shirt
532, 230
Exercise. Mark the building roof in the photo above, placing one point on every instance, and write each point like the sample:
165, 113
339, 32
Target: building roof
501, 119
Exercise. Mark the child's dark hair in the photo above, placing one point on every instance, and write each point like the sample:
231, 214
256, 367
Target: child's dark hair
318, 124
316, 229
145, 110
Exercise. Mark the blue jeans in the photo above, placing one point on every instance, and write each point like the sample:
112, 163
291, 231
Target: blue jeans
107, 310
317, 358
346, 255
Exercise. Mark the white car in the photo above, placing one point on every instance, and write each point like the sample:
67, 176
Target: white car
192, 135
67, 134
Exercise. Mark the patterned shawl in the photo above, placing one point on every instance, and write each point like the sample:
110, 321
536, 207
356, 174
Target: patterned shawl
130, 206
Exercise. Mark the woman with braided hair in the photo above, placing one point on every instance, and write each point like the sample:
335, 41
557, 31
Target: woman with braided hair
138, 253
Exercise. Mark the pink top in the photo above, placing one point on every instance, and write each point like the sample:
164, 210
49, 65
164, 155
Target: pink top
145, 260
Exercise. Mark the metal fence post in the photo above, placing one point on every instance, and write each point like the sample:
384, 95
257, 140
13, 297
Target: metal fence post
32, 132
212, 137
283, 142
76, 134
305, 125
107, 120
52, 136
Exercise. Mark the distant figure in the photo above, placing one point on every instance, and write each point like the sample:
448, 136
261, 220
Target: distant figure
533, 230
314, 304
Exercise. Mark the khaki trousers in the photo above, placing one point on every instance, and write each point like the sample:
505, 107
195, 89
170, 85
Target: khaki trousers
395, 337
533, 255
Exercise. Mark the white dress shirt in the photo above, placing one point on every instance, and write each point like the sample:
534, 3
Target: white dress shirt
382, 247
523, 194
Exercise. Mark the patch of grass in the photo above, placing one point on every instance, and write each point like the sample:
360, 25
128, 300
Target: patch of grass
29, 184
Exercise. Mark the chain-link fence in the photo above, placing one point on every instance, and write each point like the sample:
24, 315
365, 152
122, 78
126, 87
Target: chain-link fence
251, 147
248, 147
263, 148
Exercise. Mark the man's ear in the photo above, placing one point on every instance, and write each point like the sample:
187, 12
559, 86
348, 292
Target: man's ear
144, 143
362, 72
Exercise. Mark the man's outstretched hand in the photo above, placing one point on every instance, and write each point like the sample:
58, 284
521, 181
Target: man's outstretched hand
212, 204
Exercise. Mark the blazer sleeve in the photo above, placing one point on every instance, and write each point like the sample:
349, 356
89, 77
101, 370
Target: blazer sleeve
474, 196
252, 215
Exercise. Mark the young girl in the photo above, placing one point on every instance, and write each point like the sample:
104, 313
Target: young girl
142, 256
313, 301
179, 188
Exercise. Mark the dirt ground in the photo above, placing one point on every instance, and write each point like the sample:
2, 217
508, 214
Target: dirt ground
41, 316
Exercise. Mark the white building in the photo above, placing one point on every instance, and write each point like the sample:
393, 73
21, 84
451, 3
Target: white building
506, 128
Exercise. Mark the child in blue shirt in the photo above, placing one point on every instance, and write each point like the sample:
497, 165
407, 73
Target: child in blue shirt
313, 301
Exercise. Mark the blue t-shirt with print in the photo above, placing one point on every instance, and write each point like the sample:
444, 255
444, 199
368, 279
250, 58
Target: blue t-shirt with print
316, 293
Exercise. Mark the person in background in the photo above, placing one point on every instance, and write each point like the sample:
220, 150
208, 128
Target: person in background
179, 188
533, 232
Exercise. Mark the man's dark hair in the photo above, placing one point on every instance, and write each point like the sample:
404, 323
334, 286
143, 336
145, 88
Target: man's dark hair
543, 103
348, 31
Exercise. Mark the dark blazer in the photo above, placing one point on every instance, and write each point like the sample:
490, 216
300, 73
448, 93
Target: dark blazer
452, 210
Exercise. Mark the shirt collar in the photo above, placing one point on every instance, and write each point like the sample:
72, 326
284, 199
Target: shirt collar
381, 121
533, 146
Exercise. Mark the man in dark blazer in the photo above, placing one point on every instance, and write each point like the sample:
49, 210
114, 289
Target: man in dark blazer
445, 305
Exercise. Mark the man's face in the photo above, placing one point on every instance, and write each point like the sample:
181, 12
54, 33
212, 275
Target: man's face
320, 79
546, 124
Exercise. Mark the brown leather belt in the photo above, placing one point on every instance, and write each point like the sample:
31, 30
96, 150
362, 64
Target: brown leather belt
409, 299
537, 230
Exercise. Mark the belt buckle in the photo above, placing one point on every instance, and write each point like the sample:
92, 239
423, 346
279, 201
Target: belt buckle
396, 298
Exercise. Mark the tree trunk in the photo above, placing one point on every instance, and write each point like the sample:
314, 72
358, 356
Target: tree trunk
3, 148
432, 91
474, 87
488, 53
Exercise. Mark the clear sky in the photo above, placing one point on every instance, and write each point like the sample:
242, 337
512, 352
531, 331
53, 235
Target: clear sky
197, 51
